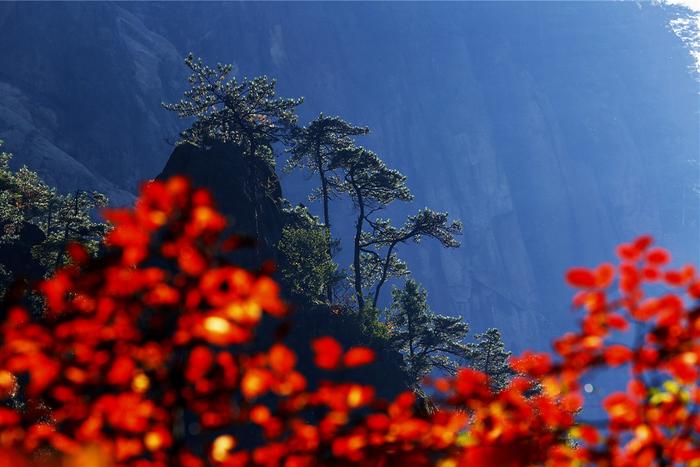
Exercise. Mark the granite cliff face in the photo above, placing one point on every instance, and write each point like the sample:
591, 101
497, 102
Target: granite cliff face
81, 91
553, 130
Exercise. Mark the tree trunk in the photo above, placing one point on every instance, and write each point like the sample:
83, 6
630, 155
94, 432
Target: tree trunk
326, 214
384, 274
356, 256
411, 352
256, 208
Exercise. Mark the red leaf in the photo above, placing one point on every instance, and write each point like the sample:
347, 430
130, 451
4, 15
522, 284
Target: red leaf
359, 356
12, 458
78, 253
581, 278
627, 252
658, 256
651, 274
617, 321
617, 355
471, 383
674, 278
589, 434
694, 289
604, 275
122, 371
533, 364
281, 358
643, 242
327, 352
199, 363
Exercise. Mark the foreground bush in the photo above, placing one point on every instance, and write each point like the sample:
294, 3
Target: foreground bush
159, 336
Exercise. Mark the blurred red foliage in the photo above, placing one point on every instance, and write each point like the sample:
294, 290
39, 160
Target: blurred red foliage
160, 328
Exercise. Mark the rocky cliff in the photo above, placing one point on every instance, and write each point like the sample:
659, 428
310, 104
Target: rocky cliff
246, 191
553, 130
81, 91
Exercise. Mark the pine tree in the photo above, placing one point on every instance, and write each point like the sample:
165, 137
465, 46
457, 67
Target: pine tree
24, 197
427, 340
247, 113
69, 218
371, 186
378, 247
489, 355
313, 148
37, 223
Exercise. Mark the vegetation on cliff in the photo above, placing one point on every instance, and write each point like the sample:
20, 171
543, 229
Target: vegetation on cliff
253, 117
37, 224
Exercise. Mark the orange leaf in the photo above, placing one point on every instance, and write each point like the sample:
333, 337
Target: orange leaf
327, 352
281, 358
260, 414
255, 383
604, 275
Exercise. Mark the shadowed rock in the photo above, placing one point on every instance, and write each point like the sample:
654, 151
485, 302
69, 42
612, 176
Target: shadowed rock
239, 185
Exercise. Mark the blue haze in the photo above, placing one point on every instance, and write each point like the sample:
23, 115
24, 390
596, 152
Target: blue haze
554, 130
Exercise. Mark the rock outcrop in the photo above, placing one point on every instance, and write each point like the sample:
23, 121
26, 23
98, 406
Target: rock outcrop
231, 178
247, 191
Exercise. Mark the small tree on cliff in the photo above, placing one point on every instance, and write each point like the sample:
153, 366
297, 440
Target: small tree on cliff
372, 186
37, 223
69, 219
427, 340
247, 113
314, 147
378, 247
305, 265
489, 355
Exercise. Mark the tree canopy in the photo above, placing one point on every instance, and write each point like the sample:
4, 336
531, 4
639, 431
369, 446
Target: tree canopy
428, 340
372, 186
489, 355
37, 224
378, 247
314, 146
306, 266
248, 112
